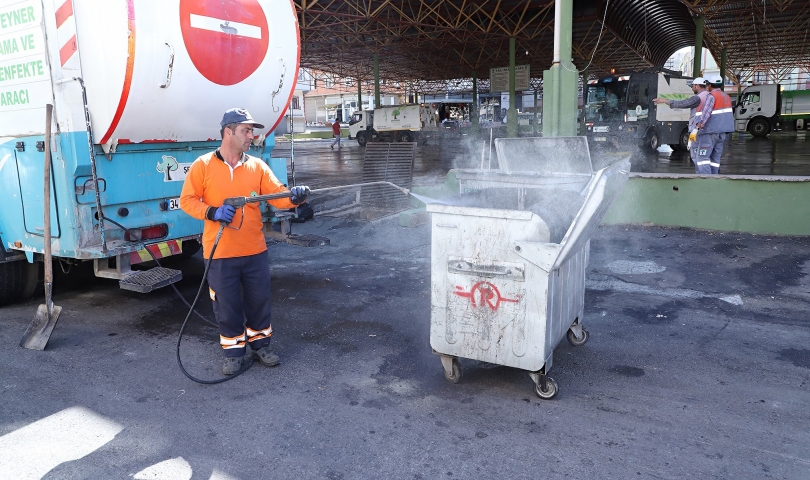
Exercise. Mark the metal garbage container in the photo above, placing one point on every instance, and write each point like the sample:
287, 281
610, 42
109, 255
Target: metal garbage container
508, 258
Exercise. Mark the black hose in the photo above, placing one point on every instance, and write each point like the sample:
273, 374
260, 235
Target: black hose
191, 309
188, 315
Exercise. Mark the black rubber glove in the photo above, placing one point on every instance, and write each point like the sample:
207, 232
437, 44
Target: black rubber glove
299, 194
224, 214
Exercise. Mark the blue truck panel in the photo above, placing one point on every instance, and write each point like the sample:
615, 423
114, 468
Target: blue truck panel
139, 186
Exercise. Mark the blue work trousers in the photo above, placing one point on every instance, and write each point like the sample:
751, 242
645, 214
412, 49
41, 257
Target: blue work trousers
706, 152
240, 290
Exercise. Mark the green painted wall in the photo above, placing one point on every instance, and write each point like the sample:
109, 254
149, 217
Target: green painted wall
754, 204
733, 203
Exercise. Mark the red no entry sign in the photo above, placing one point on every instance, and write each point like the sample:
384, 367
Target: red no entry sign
226, 39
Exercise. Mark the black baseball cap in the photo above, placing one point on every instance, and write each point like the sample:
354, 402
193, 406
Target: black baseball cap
238, 115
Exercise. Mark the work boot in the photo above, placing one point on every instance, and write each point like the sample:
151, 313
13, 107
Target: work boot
266, 356
232, 365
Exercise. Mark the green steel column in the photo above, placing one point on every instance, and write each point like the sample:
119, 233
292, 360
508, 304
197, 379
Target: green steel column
723, 65
376, 81
534, 123
698, 46
359, 95
511, 114
560, 81
474, 109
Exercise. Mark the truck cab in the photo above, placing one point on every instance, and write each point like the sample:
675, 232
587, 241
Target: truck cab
757, 110
360, 126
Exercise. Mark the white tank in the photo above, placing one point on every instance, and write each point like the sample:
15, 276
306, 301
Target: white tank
163, 70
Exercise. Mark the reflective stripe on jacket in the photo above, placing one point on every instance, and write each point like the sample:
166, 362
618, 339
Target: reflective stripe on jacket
695, 118
722, 116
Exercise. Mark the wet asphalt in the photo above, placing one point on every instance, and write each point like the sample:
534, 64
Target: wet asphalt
697, 365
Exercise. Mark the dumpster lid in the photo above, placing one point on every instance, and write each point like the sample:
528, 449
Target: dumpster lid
603, 190
545, 155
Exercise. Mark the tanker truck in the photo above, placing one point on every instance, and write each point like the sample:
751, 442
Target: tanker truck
138, 90
762, 108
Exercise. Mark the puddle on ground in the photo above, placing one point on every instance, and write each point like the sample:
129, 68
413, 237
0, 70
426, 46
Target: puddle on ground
626, 267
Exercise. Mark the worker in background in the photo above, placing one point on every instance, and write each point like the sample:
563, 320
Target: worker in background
336, 133
611, 110
714, 125
694, 103
239, 269
611, 99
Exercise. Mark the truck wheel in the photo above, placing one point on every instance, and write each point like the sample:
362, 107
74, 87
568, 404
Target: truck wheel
33, 278
12, 281
190, 247
683, 142
405, 137
652, 141
362, 139
759, 127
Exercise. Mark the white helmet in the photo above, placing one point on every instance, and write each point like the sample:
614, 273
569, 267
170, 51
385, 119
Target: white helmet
716, 79
699, 81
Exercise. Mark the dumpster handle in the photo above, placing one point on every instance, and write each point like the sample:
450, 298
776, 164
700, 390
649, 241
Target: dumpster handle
464, 267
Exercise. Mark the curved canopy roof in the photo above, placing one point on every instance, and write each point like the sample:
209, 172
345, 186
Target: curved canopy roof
428, 43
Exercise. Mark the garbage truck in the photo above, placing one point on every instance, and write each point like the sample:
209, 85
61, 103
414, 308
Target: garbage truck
762, 108
619, 110
138, 90
400, 123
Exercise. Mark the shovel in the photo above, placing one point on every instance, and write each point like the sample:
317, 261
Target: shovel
38, 333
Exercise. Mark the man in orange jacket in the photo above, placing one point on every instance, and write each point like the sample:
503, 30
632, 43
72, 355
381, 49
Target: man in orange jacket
240, 260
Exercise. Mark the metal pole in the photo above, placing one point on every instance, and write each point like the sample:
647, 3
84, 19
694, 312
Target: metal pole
558, 12
292, 149
723, 66
698, 46
359, 95
511, 113
91, 148
376, 81
474, 109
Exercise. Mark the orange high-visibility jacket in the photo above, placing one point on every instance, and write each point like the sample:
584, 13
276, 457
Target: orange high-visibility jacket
209, 182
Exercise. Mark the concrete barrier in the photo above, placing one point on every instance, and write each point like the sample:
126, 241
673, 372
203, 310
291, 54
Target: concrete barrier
735, 203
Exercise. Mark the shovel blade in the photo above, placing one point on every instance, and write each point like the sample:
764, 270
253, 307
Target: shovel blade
38, 333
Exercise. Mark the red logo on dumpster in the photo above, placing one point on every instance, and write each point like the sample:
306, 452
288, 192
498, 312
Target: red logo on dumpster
226, 39
487, 294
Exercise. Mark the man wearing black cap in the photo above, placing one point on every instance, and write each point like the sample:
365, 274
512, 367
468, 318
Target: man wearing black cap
239, 269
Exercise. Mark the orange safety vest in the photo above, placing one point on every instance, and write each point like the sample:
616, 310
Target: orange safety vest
722, 118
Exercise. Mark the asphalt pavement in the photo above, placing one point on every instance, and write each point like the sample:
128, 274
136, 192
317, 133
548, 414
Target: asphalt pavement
697, 366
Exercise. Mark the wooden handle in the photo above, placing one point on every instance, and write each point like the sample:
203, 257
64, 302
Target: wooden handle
47, 199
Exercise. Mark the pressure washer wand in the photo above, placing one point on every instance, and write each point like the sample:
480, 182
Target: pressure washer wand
239, 202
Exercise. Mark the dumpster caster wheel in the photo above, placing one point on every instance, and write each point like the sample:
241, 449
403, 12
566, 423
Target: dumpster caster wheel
550, 391
577, 342
455, 374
